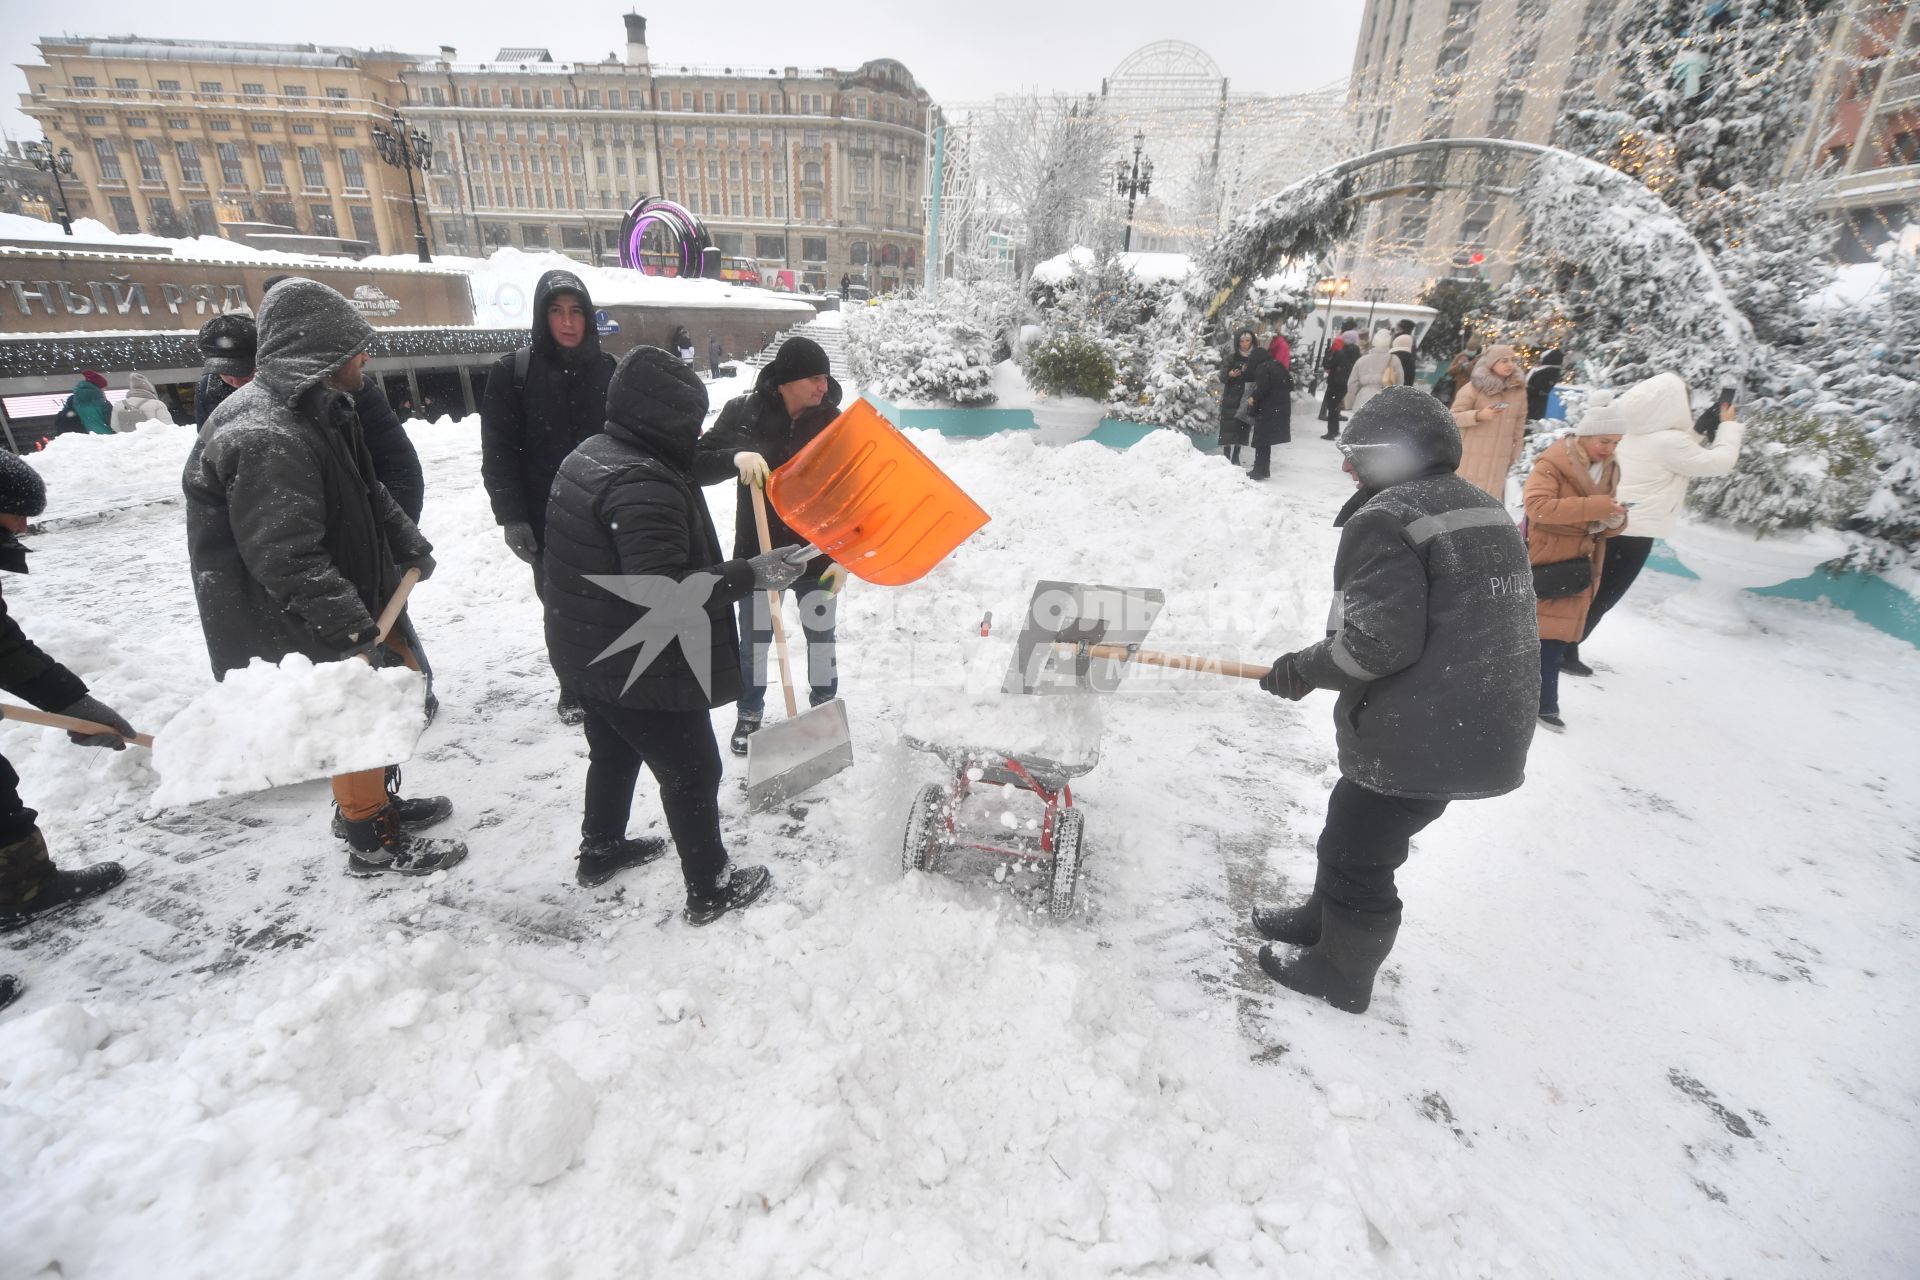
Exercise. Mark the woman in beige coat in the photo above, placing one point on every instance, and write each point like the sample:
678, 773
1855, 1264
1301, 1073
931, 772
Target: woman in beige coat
1492, 412
1571, 512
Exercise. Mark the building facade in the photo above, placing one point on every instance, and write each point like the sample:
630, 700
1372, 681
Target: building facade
811, 174
1863, 144
1426, 69
176, 137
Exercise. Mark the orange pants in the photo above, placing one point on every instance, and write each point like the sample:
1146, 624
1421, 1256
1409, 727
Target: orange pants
361, 795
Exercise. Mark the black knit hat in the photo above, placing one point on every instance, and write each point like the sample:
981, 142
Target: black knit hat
798, 358
227, 345
22, 491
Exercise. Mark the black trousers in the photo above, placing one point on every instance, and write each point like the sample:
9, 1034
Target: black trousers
1366, 838
1262, 459
1620, 564
678, 748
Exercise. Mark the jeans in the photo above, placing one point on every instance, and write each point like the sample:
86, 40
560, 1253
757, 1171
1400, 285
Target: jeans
1621, 563
1366, 839
1551, 653
817, 612
678, 748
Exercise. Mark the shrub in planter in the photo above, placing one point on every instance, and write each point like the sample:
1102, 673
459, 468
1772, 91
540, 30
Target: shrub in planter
1798, 470
1070, 365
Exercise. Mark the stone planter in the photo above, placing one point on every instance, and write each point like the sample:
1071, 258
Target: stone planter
1729, 560
1064, 419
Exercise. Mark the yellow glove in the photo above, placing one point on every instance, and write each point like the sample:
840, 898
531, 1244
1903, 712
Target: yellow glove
752, 467
834, 578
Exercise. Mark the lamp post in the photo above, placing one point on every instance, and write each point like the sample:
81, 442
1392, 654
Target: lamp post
1374, 295
1330, 288
408, 149
1133, 183
47, 160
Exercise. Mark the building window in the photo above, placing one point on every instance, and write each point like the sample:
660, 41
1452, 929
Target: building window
860, 107
779, 171
270, 170
133, 122
189, 157
232, 172
857, 253
220, 124
600, 166
889, 180
572, 237
303, 126
810, 173
350, 165
313, 174
100, 121
162, 218
619, 166
756, 171
731, 103
813, 211
811, 139
150, 170
813, 248
260, 126
293, 91
706, 102
1506, 113
363, 227
713, 171
119, 85
860, 175
759, 207
860, 213
167, 89
212, 89
124, 218
323, 224
533, 237
83, 86
345, 131
1414, 218
109, 161
253, 91
733, 170
734, 205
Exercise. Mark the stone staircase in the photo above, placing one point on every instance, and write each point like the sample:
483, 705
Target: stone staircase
832, 338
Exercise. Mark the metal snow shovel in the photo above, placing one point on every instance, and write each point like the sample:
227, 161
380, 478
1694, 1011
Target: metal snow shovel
787, 758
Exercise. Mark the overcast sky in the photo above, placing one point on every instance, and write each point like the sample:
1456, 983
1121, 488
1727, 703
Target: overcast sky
985, 47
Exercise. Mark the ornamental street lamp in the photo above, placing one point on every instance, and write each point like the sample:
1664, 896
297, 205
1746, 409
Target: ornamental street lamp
1329, 288
1374, 295
47, 160
1132, 184
408, 149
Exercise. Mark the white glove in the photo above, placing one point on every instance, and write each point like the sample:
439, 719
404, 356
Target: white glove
752, 467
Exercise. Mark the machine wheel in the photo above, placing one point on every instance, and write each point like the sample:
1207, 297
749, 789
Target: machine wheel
1067, 833
926, 830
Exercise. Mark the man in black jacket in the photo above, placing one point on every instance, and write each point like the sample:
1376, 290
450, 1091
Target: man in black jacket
30, 885
626, 526
226, 362
1338, 367
296, 547
542, 401
1433, 648
396, 463
792, 401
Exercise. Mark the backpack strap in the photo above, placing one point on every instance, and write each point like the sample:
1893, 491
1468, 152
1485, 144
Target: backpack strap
521, 359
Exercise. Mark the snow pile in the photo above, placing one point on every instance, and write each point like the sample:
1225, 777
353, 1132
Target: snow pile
503, 285
90, 231
87, 474
975, 712
268, 725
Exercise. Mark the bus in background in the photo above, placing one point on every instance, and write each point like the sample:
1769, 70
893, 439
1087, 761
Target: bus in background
740, 270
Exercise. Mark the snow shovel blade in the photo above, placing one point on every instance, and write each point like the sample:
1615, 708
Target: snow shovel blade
790, 756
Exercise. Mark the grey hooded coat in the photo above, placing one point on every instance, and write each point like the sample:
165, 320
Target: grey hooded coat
1431, 643
292, 540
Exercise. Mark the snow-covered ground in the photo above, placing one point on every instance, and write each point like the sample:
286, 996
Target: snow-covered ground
1653, 1015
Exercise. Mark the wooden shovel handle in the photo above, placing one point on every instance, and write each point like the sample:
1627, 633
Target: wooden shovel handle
391, 614
773, 603
1175, 661
27, 715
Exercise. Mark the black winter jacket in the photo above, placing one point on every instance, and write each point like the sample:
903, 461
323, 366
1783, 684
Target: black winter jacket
624, 505
1432, 641
1339, 365
1273, 403
757, 423
26, 671
291, 539
394, 460
524, 436
1235, 372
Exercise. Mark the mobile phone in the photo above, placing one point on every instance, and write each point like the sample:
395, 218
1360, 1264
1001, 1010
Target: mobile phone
1500, 406
1629, 505
1726, 397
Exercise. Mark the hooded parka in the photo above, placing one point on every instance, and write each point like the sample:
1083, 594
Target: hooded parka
1661, 452
1489, 449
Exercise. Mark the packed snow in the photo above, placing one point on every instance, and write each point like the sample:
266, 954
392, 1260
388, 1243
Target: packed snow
270, 724
1652, 1015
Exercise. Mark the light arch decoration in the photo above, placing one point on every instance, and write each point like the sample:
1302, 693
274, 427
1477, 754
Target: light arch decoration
661, 237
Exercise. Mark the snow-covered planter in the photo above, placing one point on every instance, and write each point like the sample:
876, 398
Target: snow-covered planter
931, 348
1730, 560
1074, 376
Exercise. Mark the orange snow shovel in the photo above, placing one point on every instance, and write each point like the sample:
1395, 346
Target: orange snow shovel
863, 494
787, 758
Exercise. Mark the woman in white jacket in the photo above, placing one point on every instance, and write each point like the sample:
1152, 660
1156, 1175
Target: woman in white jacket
1660, 453
142, 404
1373, 372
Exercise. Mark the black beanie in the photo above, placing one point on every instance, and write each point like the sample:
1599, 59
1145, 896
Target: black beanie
798, 358
227, 345
22, 491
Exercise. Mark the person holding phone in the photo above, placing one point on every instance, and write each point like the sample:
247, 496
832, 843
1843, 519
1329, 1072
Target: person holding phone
1491, 409
1664, 449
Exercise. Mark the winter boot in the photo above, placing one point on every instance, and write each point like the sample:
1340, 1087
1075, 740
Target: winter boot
743, 728
1551, 721
737, 887
1297, 926
1339, 969
601, 858
54, 890
381, 845
9, 989
570, 711
414, 815
1571, 664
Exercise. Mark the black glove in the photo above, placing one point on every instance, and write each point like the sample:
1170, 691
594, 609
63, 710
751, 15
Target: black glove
778, 569
353, 641
520, 540
1285, 680
423, 562
91, 708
